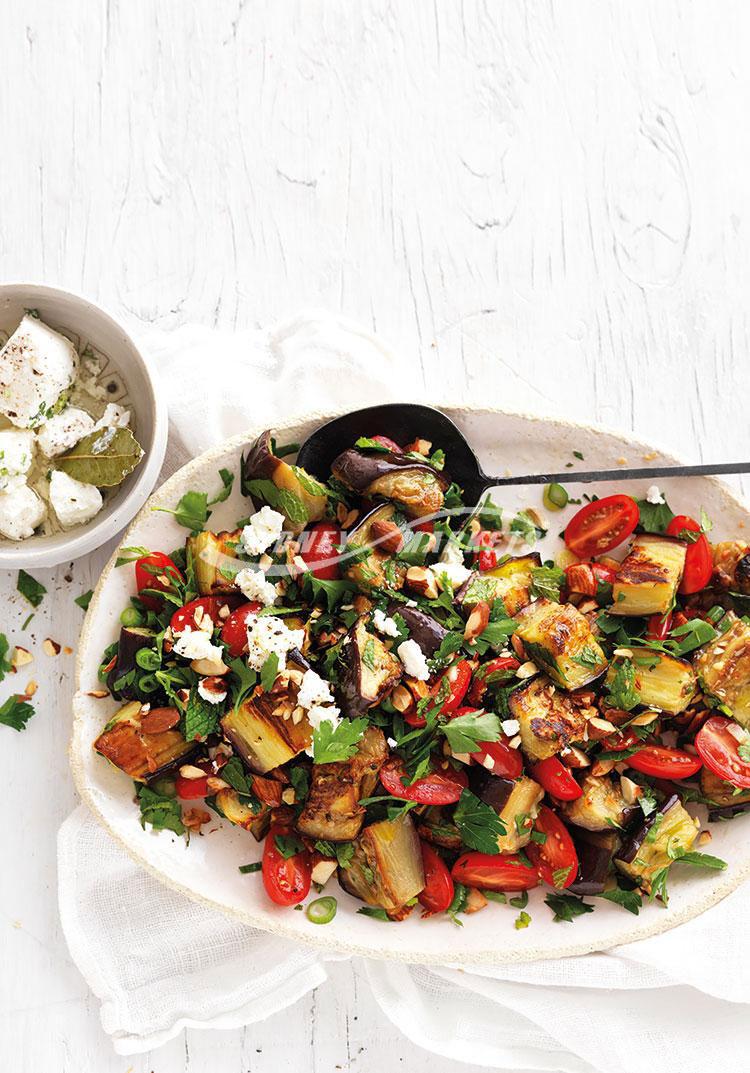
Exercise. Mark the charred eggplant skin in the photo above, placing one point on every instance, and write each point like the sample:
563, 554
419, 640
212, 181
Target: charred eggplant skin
332, 810
132, 639
260, 463
415, 485
595, 851
423, 628
370, 671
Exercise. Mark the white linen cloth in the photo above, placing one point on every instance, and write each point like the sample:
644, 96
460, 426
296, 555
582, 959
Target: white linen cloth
670, 1003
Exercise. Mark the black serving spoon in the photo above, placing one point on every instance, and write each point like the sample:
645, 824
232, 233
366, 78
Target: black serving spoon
407, 421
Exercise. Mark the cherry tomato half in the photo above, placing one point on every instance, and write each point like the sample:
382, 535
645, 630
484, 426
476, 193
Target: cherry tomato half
602, 525
437, 788
663, 763
499, 758
497, 670
287, 880
458, 677
658, 626
190, 789
490, 871
437, 893
556, 779
153, 572
485, 556
234, 630
423, 527
209, 605
555, 859
719, 750
698, 559
320, 551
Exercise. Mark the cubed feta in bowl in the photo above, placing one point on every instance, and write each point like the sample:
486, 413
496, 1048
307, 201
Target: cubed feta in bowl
64, 431
74, 502
16, 454
37, 365
21, 510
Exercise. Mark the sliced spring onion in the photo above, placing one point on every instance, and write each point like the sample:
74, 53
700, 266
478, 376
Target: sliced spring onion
555, 497
131, 617
322, 910
246, 868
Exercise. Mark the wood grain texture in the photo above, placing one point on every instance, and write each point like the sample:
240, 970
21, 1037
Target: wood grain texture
540, 204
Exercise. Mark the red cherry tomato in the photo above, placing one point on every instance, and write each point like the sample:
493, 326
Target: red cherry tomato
603, 573
664, 763
209, 605
320, 551
287, 880
458, 677
486, 556
437, 893
490, 871
153, 572
698, 559
386, 441
719, 750
556, 779
190, 789
499, 758
624, 739
437, 788
234, 630
423, 527
659, 626
497, 670
602, 525
555, 859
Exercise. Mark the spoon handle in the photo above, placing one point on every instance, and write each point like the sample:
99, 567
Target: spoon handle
572, 476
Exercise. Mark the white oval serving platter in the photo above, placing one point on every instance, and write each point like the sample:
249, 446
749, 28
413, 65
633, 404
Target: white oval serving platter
207, 869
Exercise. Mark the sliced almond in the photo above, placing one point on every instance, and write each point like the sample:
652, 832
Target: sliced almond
214, 784
631, 791
31, 688
50, 647
401, 699
194, 818
477, 621
209, 667
190, 771
644, 719
421, 579
288, 796
322, 872
602, 767
99, 694
527, 670
704, 838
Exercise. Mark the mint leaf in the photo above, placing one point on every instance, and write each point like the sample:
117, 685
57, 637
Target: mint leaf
234, 773
29, 587
201, 718
84, 599
269, 672
567, 907
163, 813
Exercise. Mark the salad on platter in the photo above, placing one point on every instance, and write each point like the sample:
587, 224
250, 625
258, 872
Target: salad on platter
390, 689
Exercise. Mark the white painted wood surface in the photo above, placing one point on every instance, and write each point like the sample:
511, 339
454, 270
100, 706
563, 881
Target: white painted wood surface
544, 205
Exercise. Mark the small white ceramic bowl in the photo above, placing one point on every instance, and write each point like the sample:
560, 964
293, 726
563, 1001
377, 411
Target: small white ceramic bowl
85, 323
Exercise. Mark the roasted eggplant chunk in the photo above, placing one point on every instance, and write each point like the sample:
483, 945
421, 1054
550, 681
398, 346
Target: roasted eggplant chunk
671, 829
595, 851
252, 816
510, 581
600, 807
423, 628
548, 719
369, 671
647, 580
415, 486
376, 568
263, 731
516, 803
723, 666
332, 811
386, 868
558, 638
139, 754
662, 681
732, 566
132, 639
299, 505
721, 792
435, 826
214, 558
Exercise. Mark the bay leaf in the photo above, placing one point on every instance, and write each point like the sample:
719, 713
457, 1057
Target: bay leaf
103, 458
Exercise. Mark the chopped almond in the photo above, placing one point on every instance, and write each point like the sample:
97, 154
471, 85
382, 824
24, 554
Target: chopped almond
50, 647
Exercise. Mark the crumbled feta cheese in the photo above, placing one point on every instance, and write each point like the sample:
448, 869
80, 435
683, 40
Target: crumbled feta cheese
267, 634
453, 573
263, 530
653, 495
452, 554
211, 696
196, 644
64, 431
510, 727
255, 586
114, 416
21, 510
413, 659
384, 623
313, 690
319, 714
16, 453
74, 502
36, 365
